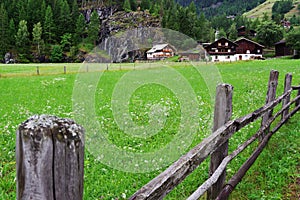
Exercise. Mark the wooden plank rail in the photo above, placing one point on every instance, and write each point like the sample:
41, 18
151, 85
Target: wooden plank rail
208, 183
161, 185
245, 167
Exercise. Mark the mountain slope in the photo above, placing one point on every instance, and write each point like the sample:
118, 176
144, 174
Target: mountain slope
219, 7
266, 7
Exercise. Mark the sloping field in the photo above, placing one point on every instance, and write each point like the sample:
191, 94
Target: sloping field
266, 7
259, 11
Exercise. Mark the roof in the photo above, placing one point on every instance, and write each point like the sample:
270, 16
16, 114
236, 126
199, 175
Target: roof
249, 41
222, 38
280, 42
157, 48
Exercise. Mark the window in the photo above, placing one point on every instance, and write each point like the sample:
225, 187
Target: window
229, 50
226, 44
228, 57
258, 50
248, 51
216, 50
219, 44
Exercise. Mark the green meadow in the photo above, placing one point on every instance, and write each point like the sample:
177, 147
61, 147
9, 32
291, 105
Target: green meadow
24, 93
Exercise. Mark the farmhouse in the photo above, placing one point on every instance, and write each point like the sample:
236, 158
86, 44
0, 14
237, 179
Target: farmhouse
281, 49
242, 49
248, 49
222, 50
160, 51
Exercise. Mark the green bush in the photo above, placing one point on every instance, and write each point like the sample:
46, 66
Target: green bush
56, 54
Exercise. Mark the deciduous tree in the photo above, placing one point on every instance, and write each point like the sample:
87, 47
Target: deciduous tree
293, 39
37, 36
22, 36
268, 33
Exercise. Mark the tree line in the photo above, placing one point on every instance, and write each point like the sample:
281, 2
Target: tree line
56, 30
46, 28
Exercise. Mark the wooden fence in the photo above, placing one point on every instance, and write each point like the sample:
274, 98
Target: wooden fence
60, 143
216, 145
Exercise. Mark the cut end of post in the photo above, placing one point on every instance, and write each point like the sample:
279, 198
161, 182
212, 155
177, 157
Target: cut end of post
65, 128
49, 158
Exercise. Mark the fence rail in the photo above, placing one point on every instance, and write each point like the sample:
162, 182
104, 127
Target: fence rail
12, 70
165, 182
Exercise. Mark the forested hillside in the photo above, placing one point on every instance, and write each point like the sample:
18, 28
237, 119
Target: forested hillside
64, 30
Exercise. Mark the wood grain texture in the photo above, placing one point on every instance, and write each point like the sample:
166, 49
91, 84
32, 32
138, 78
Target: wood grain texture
271, 95
222, 114
49, 153
286, 100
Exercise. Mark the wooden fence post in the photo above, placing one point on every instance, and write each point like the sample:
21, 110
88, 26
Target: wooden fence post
222, 114
297, 103
65, 69
38, 70
286, 100
50, 156
271, 95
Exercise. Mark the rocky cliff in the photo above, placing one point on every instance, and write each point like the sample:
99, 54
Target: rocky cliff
119, 31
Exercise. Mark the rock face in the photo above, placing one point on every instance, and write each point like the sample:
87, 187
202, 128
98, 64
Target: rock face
8, 58
126, 36
119, 30
122, 21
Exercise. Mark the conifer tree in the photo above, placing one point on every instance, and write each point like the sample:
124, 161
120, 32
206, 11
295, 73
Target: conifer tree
11, 33
3, 30
74, 16
64, 20
49, 26
133, 5
80, 29
232, 32
93, 28
145, 4
126, 6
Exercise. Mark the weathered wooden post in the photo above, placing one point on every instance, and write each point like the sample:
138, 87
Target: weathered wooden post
298, 101
50, 155
271, 95
65, 69
38, 70
286, 100
222, 114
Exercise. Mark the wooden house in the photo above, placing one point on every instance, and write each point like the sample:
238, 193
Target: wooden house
196, 54
244, 32
248, 49
222, 50
281, 49
160, 51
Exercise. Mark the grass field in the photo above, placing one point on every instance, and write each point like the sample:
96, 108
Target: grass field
23, 94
